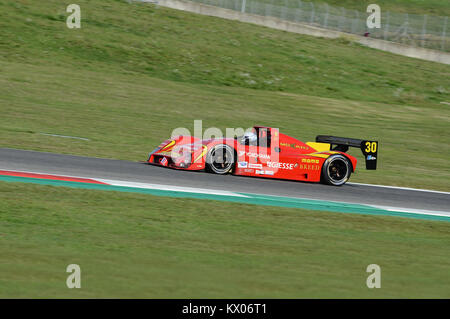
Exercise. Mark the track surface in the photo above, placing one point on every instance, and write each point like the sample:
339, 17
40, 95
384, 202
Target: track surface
12, 159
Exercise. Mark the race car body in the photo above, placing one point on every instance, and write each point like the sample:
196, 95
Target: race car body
266, 152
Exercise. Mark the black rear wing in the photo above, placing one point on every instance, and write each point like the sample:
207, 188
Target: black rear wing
368, 148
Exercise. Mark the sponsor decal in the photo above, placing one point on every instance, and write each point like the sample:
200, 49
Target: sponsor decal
249, 170
310, 167
262, 172
293, 145
309, 160
287, 145
258, 166
163, 161
242, 164
254, 155
371, 158
289, 166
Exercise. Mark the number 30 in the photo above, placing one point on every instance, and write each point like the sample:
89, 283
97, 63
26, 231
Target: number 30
371, 147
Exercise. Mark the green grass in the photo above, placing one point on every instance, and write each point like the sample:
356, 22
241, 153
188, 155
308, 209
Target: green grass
133, 73
184, 47
133, 245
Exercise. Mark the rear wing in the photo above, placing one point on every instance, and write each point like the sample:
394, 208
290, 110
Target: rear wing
368, 148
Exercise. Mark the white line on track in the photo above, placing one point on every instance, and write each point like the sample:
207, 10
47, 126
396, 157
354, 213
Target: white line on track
66, 136
229, 193
397, 209
412, 210
402, 188
169, 188
140, 185
349, 183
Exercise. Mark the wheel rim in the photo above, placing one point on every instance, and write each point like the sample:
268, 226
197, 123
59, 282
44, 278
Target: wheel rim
337, 170
221, 159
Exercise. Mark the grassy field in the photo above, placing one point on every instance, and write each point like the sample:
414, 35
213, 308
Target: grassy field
189, 48
133, 73
133, 245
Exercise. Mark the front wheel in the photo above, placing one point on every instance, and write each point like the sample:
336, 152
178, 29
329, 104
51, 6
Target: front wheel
336, 170
220, 159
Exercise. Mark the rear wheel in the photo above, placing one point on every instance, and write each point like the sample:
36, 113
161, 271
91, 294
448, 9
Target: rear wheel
220, 159
336, 170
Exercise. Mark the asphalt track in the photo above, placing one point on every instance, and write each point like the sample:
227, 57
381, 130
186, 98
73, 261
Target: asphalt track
50, 163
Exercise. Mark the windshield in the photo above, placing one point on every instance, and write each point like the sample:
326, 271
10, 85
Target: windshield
256, 137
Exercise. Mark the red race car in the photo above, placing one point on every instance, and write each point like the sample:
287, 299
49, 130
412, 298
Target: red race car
265, 152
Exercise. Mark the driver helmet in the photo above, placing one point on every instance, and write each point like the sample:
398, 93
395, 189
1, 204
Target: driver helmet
250, 137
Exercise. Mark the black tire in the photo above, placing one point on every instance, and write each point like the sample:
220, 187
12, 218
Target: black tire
220, 159
336, 170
